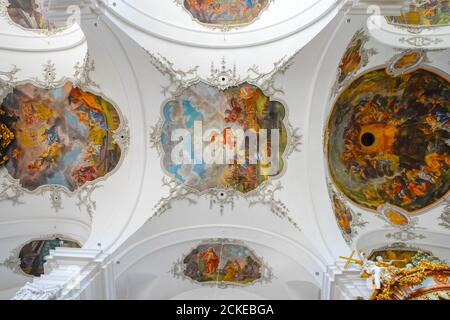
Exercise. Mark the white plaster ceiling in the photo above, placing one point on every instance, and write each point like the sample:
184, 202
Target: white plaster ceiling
126, 201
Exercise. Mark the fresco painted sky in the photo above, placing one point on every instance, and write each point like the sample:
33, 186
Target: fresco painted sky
244, 107
63, 136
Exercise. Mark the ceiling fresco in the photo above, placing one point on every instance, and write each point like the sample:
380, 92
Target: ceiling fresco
62, 136
424, 13
225, 13
222, 263
30, 14
33, 255
388, 140
229, 125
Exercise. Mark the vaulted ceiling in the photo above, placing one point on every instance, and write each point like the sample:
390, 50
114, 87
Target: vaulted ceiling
135, 60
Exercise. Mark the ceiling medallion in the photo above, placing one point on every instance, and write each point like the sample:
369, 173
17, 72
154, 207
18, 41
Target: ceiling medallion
222, 263
348, 221
31, 15
375, 153
60, 153
221, 100
406, 61
224, 14
355, 58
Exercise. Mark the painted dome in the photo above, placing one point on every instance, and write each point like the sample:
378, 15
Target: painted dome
388, 140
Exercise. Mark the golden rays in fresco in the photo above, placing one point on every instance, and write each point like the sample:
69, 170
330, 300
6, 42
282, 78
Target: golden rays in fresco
388, 141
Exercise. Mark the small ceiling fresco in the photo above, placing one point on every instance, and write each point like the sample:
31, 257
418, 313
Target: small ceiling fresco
355, 57
388, 140
424, 13
30, 14
32, 256
225, 139
399, 255
62, 136
225, 13
222, 263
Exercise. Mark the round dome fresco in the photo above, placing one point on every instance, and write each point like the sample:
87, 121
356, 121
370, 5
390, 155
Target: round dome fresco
388, 140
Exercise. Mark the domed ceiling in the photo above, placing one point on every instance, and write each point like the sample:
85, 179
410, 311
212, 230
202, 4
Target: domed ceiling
388, 139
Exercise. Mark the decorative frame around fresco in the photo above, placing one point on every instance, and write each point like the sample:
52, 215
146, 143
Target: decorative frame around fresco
13, 261
426, 67
178, 269
223, 27
222, 79
81, 80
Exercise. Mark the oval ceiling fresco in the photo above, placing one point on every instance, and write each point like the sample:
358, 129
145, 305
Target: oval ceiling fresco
32, 256
226, 139
222, 13
424, 13
62, 136
30, 14
388, 140
219, 263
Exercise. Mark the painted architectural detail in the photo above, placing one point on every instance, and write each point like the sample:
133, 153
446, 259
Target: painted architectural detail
355, 58
348, 221
66, 138
222, 263
224, 14
376, 153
